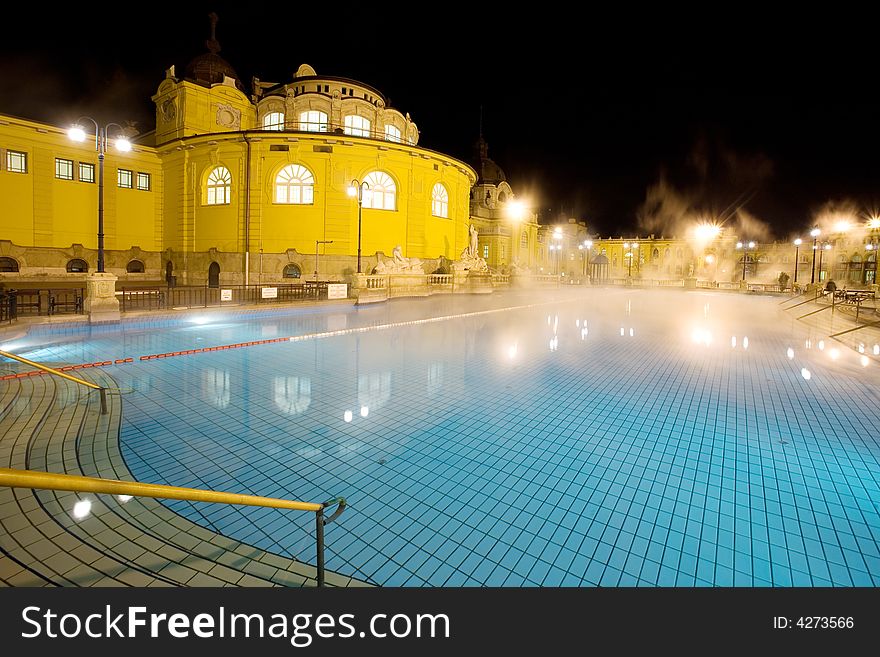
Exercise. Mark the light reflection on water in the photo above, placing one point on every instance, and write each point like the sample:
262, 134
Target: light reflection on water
437, 425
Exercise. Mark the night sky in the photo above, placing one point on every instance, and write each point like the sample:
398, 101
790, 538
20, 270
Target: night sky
633, 122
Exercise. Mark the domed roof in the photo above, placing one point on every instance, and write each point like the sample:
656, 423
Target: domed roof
210, 68
487, 170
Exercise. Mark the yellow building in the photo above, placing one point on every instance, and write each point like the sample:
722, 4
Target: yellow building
507, 229
232, 189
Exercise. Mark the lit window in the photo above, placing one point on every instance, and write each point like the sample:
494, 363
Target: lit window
63, 169
382, 192
8, 265
295, 184
392, 133
86, 172
313, 121
357, 126
135, 267
486, 251
123, 176
439, 201
273, 121
143, 181
219, 186
292, 271
16, 162
77, 266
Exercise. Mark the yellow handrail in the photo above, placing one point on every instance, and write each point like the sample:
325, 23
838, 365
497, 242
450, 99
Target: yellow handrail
63, 375
39, 366
80, 484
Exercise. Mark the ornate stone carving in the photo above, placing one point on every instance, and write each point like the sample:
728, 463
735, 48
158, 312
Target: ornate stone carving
399, 265
228, 117
169, 110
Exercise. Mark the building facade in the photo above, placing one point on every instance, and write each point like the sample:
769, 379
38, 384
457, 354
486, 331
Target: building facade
232, 189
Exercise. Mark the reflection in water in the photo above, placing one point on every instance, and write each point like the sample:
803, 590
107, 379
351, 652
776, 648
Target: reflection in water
435, 378
292, 394
805, 373
790, 353
347, 416
215, 387
374, 390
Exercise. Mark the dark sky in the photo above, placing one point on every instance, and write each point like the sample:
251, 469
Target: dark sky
586, 111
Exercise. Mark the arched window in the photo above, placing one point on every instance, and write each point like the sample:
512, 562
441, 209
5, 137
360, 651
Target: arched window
502, 197
382, 194
8, 265
655, 254
666, 253
292, 271
313, 121
134, 267
524, 240
440, 201
357, 126
392, 133
219, 185
77, 266
273, 121
295, 184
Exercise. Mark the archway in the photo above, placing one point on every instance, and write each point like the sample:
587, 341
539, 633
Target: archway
214, 275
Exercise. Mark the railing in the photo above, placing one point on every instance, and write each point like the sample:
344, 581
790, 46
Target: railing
376, 282
63, 375
764, 287
35, 302
80, 484
545, 278
203, 296
500, 279
439, 279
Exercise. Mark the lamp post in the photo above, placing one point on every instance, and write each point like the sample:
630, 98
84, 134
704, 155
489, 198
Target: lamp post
630, 247
516, 210
815, 235
317, 242
356, 188
825, 246
76, 133
797, 246
745, 248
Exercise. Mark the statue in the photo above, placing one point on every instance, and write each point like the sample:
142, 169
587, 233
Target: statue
399, 264
470, 257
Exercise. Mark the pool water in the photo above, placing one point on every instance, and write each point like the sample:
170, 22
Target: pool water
599, 437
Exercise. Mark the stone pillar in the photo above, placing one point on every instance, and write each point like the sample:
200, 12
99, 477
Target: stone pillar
690, 283
101, 304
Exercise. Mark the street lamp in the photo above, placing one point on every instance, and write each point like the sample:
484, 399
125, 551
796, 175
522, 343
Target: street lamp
317, 242
824, 247
797, 246
815, 235
356, 188
630, 247
516, 210
76, 133
745, 248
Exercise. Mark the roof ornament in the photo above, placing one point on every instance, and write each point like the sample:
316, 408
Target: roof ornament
212, 43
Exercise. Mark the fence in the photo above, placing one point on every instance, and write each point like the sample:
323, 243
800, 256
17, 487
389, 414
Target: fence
203, 296
36, 302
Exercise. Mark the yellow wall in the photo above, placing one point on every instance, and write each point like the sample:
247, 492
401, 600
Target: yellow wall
40, 210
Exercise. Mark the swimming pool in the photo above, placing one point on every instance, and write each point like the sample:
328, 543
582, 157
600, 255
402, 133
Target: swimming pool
606, 437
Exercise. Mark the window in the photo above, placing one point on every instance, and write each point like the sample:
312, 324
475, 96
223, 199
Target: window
123, 176
63, 169
382, 192
273, 121
135, 267
295, 184
8, 265
77, 266
502, 197
439, 201
143, 181
357, 126
219, 185
524, 240
292, 271
16, 162
313, 121
392, 133
86, 172
486, 251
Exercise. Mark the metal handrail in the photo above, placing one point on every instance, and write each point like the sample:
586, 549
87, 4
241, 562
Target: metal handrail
79, 484
63, 375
